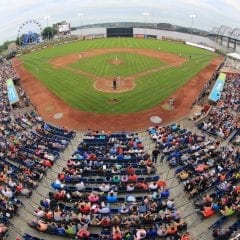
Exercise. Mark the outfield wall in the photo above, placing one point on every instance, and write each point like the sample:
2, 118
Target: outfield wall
94, 33
160, 34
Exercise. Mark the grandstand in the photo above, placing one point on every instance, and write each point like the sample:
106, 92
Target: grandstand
109, 186
174, 181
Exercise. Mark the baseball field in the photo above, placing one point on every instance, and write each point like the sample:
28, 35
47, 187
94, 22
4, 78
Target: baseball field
147, 72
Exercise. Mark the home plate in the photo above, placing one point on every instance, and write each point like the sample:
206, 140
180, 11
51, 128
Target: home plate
155, 119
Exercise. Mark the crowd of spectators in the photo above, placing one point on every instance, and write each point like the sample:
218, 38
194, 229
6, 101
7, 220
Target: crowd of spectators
28, 147
209, 172
201, 99
232, 63
224, 118
8, 72
110, 183
236, 138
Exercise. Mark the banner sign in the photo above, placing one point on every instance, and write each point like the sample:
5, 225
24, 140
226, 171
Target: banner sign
216, 92
12, 93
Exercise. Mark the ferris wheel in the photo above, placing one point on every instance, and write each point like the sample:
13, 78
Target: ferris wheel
29, 32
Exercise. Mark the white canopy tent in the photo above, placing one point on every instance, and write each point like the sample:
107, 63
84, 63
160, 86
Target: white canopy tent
234, 55
200, 46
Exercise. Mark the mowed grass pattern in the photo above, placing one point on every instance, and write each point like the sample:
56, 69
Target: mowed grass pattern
78, 91
130, 63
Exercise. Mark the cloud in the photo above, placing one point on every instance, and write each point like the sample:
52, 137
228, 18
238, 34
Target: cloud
234, 4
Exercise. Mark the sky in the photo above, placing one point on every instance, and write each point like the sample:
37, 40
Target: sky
209, 13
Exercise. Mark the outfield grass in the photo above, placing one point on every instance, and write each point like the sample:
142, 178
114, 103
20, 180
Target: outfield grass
78, 90
131, 63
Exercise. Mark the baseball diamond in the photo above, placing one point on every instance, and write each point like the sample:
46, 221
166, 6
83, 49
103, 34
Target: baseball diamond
77, 78
120, 130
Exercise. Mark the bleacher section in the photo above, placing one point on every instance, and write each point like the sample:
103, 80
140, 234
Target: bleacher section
232, 63
27, 149
224, 118
209, 173
109, 190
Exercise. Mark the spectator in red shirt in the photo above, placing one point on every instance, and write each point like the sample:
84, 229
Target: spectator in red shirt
130, 170
132, 178
116, 233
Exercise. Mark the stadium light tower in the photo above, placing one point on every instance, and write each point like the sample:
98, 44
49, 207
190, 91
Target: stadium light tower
192, 16
145, 14
80, 18
47, 18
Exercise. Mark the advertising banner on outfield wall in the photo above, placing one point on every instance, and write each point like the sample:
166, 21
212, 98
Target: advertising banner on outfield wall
139, 35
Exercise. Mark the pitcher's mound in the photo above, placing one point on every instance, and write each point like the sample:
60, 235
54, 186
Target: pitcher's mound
116, 61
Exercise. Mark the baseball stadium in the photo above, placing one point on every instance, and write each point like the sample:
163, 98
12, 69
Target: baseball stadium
119, 125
